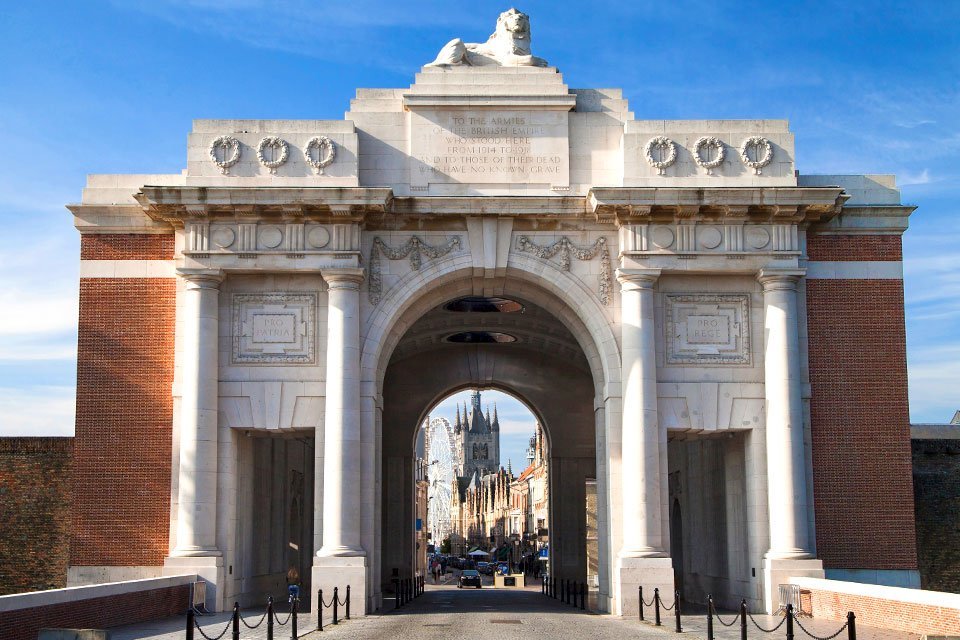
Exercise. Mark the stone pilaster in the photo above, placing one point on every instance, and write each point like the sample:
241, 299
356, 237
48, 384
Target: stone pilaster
643, 558
196, 544
791, 550
341, 560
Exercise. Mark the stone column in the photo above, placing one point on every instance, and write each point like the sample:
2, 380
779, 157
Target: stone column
643, 559
341, 559
196, 547
790, 550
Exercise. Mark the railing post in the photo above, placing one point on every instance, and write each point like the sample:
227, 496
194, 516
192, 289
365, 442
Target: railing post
743, 619
293, 618
676, 608
789, 615
270, 618
851, 626
396, 592
320, 610
348, 602
656, 605
640, 589
236, 621
191, 617
709, 617
336, 594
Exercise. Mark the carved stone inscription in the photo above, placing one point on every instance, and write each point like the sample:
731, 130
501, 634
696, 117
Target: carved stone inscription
489, 146
707, 328
274, 328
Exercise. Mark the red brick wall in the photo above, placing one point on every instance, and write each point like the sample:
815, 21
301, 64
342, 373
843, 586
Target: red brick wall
126, 246
124, 415
97, 613
883, 613
34, 513
860, 422
854, 248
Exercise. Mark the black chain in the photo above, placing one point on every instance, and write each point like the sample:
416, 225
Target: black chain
831, 637
650, 604
665, 607
732, 622
343, 603
289, 615
222, 633
750, 615
262, 618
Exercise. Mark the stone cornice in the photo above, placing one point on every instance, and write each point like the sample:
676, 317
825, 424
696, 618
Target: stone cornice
780, 204
867, 220
545, 102
342, 204
547, 206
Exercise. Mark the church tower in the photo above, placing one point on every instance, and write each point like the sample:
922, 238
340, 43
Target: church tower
478, 442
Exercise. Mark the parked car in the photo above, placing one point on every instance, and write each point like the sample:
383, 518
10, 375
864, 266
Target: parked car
469, 578
484, 568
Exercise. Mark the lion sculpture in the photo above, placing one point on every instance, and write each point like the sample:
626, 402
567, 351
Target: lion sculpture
509, 46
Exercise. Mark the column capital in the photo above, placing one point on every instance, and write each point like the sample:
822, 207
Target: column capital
201, 278
343, 278
632, 279
775, 279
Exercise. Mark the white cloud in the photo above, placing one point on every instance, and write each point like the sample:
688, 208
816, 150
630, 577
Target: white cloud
37, 411
906, 178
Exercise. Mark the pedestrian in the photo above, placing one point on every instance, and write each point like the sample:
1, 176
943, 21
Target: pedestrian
293, 584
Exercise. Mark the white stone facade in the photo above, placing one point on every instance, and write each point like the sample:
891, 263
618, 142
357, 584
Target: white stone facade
665, 330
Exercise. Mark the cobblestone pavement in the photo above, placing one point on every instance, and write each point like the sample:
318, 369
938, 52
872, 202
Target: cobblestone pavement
447, 613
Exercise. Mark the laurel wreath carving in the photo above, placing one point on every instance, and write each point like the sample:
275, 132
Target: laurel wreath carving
664, 145
274, 143
414, 248
326, 153
566, 248
711, 142
758, 143
228, 160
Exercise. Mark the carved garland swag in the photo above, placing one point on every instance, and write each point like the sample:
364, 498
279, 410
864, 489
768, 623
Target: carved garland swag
565, 247
414, 248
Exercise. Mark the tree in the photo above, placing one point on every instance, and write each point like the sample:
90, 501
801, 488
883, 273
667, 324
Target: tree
445, 545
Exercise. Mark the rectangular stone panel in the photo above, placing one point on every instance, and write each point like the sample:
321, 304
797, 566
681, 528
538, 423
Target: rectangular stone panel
274, 328
489, 146
707, 328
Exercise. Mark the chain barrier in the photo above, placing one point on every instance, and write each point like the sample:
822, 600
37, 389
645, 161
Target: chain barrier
730, 624
249, 626
665, 607
815, 637
222, 633
757, 625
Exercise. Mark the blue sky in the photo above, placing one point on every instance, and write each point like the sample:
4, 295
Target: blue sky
112, 87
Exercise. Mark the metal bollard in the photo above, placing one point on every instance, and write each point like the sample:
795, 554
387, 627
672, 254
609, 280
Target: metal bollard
656, 605
709, 617
743, 619
851, 626
583, 596
348, 602
335, 604
676, 608
640, 589
191, 618
320, 610
270, 618
789, 615
293, 618
396, 591
236, 621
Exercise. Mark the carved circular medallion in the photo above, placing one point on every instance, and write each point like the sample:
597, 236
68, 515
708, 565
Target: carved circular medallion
710, 237
277, 150
708, 152
662, 237
757, 237
326, 153
318, 237
756, 152
223, 237
661, 152
225, 152
271, 237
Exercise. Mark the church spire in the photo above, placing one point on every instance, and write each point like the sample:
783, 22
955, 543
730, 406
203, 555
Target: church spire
487, 421
495, 425
457, 425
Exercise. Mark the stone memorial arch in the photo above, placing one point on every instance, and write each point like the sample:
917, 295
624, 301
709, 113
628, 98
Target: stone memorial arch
710, 335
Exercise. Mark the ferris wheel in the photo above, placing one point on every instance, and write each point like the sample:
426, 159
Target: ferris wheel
441, 456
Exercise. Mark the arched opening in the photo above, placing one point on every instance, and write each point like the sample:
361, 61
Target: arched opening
483, 497
544, 366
